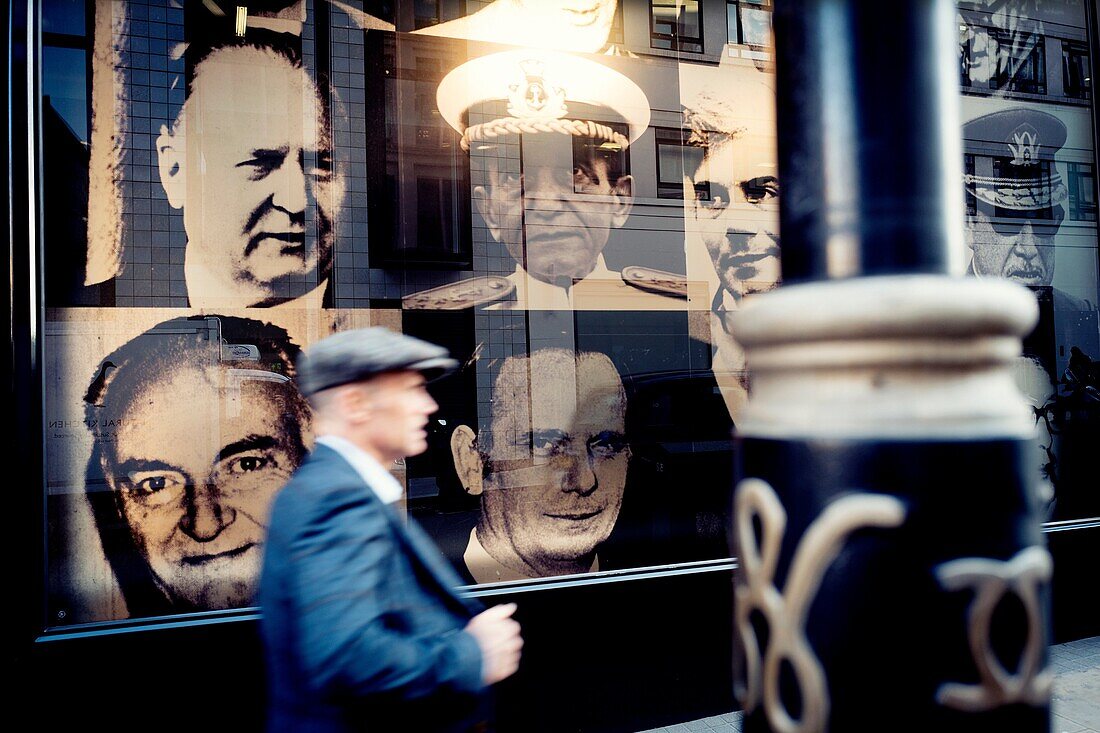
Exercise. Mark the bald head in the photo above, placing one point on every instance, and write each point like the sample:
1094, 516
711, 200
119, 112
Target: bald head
246, 157
551, 466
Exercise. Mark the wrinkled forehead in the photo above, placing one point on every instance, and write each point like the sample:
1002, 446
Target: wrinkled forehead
556, 391
255, 97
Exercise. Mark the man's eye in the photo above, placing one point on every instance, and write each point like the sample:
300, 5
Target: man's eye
606, 444
758, 190
582, 175
543, 448
319, 168
262, 165
248, 464
155, 483
324, 175
151, 483
718, 199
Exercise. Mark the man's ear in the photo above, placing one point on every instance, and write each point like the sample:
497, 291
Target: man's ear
485, 207
170, 161
624, 200
468, 463
108, 473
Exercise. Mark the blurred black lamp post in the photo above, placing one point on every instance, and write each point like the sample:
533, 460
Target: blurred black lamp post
892, 571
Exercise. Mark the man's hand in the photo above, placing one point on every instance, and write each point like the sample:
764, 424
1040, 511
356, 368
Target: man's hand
498, 637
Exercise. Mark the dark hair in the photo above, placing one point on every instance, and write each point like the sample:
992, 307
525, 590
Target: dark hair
125, 375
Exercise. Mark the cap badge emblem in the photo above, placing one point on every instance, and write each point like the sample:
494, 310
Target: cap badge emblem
1026, 149
534, 96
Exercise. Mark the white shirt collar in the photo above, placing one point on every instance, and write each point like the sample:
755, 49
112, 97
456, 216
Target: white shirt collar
534, 293
380, 481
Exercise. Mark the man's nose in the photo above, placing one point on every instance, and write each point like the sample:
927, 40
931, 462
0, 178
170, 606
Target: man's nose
205, 515
289, 182
577, 476
1025, 244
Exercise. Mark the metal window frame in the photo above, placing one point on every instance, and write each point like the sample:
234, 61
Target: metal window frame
674, 136
676, 40
23, 224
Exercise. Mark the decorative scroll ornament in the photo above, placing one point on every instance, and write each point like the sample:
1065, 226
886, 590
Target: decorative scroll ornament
991, 580
785, 612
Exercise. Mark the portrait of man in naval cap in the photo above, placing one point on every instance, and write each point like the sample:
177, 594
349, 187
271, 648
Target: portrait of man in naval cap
1015, 195
548, 134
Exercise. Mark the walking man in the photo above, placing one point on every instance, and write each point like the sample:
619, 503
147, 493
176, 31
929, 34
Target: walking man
361, 624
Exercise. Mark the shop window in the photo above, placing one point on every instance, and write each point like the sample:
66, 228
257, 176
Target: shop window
966, 54
675, 159
1082, 192
1076, 78
596, 160
748, 22
427, 13
676, 25
971, 199
1020, 62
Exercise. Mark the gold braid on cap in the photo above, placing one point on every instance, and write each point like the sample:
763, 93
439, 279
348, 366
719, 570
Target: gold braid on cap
1024, 194
578, 128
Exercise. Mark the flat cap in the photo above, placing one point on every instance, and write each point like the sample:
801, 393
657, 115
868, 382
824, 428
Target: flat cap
353, 356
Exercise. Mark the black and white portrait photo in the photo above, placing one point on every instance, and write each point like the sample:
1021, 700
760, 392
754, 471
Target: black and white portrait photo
550, 466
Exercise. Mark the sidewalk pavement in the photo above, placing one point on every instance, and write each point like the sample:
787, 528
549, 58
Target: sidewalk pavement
1076, 706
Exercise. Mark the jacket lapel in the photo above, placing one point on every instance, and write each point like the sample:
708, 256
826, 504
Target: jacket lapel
423, 550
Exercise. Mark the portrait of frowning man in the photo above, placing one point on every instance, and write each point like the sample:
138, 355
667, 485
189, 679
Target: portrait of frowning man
551, 132
1015, 195
731, 204
209, 426
248, 159
550, 467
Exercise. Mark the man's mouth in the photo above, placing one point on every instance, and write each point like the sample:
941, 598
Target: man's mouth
582, 15
1025, 274
199, 560
574, 516
295, 242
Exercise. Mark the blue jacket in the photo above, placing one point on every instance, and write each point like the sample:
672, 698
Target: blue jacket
361, 627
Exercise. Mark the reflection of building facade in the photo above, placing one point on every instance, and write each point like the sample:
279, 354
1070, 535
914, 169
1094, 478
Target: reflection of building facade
540, 208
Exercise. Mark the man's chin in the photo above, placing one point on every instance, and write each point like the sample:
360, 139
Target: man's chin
561, 274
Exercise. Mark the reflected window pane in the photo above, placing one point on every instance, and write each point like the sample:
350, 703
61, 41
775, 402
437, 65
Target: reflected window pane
1076, 79
63, 16
676, 25
64, 87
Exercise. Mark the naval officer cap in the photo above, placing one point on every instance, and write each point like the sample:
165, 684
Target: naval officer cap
541, 92
354, 356
1024, 143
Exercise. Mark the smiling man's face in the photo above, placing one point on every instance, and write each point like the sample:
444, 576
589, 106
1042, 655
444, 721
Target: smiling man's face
579, 14
557, 464
196, 477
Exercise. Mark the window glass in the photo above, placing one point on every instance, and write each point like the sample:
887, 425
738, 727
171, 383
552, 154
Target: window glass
676, 25
572, 200
1030, 192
